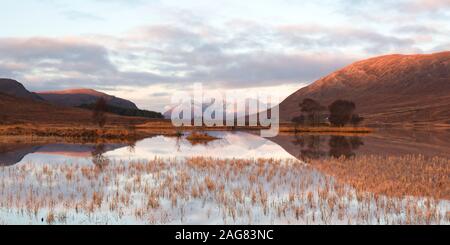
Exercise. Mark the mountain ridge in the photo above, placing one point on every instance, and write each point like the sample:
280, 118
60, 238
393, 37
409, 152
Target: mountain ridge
82, 96
386, 89
14, 88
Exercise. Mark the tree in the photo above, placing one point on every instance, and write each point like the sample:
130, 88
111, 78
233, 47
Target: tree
341, 112
356, 120
313, 110
298, 121
99, 112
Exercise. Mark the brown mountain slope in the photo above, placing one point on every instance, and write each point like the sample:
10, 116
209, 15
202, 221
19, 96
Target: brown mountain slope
386, 89
14, 88
78, 97
15, 110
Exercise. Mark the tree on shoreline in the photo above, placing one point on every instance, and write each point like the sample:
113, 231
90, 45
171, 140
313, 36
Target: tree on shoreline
312, 113
313, 110
99, 112
342, 113
356, 120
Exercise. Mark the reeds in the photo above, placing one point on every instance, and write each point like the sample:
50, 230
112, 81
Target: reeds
206, 190
399, 176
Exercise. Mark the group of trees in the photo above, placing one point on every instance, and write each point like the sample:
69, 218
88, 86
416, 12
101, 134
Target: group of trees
342, 112
339, 114
312, 113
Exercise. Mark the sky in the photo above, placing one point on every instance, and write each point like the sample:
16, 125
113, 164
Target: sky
146, 50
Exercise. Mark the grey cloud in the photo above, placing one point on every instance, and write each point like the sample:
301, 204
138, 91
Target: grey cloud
417, 29
6, 72
262, 69
65, 54
442, 47
213, 58
60, 63
241, 54
160, 94
320, 36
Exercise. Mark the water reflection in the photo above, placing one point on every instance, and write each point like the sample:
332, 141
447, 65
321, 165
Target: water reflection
341, 146
311, 146
11, 154
229, 145
234, 145
318, 146
98, 159
383, 142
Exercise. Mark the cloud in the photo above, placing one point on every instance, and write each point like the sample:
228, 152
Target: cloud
65, 62
266, 69
248, 55
80, 15
231, 53
392, 13
417, 29
442, 47
219, 57
430, 6
160, 94
66, 54
308, 36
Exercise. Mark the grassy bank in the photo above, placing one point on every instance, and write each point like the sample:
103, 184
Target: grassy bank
129, 131
73, 133
291, 128
116, 131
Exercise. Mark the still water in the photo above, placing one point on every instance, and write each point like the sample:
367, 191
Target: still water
235, 145
240, 179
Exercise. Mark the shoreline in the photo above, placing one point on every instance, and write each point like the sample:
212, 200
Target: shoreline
128, 133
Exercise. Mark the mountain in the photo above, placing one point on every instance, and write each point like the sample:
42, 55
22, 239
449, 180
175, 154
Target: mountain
78, 97
229, 110
18, 105
14, 88
24, 110
15, 110
389, 89
126, 112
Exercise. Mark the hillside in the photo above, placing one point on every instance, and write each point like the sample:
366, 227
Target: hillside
14, 88
386, 89
19, 110
78, 97
126, 112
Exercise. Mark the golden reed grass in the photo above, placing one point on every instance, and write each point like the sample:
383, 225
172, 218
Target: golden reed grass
399, 176
219, 191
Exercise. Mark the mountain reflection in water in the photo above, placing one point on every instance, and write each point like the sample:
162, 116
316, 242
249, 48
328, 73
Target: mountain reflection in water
236, 145
388, 142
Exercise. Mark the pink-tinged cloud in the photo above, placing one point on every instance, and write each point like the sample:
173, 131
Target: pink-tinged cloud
428, 5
